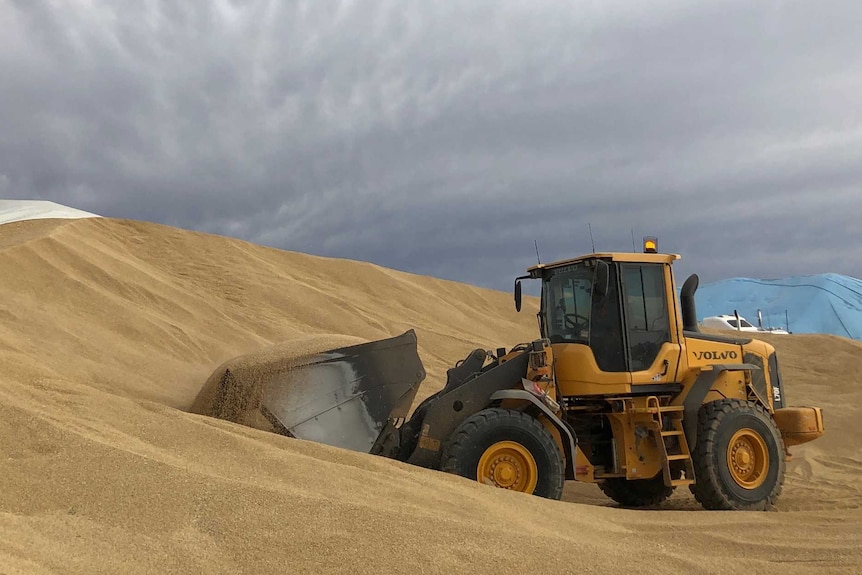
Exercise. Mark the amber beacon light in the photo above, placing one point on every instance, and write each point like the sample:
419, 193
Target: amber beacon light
650, 245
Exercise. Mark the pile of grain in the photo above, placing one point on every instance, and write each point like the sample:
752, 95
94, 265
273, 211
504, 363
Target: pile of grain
108, 329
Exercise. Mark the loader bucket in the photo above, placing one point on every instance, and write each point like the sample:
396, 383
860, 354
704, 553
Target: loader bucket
344, 397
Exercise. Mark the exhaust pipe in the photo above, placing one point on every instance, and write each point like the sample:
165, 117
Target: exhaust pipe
687, 305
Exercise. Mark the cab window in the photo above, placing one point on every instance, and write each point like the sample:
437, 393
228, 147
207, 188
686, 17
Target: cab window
567, 293
647, 321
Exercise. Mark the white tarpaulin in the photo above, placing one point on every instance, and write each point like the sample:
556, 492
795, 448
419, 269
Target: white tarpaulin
17, 210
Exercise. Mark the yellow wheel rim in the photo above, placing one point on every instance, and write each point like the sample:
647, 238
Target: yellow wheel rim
508, 465
748, 458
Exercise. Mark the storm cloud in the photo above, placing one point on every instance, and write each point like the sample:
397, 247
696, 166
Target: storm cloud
444, 138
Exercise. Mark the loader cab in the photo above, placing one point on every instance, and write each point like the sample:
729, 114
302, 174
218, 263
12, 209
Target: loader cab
611, 319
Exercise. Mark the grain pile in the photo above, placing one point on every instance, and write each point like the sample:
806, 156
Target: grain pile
109, 328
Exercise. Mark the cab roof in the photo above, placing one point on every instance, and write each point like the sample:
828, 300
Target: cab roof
611, 256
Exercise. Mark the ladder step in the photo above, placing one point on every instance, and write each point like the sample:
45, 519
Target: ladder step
671, 408
671, 433
678, 457
678, 482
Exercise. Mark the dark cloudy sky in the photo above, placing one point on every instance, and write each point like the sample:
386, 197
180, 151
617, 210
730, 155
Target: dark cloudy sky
443, 138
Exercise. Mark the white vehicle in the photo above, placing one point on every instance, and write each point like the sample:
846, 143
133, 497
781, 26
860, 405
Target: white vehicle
729, 322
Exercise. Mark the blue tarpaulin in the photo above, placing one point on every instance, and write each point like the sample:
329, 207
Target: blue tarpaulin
825, 303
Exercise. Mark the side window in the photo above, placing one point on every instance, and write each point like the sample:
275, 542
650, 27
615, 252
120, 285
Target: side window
647, 321
567, 304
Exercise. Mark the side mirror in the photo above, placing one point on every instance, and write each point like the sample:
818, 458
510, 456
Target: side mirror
600, 278
518, 295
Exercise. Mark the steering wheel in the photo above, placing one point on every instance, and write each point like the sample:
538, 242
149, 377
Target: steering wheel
576, 325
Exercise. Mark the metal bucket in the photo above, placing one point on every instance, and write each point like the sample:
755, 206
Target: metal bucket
344, 397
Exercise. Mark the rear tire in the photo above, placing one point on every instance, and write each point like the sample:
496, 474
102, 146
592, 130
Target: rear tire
637, 492
507, 449
739, 457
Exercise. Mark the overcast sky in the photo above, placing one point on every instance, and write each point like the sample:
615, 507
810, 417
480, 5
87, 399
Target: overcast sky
443, 138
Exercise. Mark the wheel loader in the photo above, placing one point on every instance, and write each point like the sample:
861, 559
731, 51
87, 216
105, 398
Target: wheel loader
621, 389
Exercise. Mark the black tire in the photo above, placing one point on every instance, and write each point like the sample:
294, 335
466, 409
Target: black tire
477, 434
636, 492
718, 486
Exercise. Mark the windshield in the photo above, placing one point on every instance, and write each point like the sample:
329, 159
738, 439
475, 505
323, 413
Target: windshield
567, 298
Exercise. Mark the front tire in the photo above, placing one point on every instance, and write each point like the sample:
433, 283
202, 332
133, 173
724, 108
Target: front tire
507, 449
739, 457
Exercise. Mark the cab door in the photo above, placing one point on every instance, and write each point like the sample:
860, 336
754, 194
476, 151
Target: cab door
652, 347
589, 360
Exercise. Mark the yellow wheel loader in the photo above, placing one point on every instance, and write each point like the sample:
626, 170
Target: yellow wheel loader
620, 389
